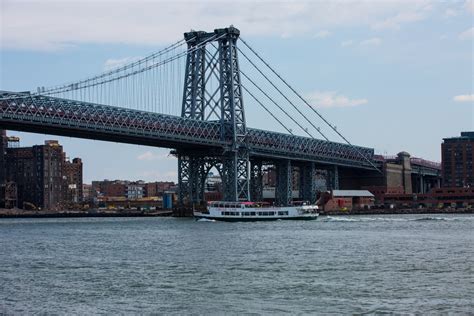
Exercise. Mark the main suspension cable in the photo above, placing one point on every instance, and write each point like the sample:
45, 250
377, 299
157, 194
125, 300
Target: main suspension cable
311, 107
58, 89
273, 101
266, 109
282, 94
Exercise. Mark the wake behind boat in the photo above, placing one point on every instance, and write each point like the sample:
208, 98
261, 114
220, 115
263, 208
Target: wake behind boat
255, 211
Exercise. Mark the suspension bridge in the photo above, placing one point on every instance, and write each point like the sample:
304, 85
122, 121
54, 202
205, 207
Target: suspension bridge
189, 97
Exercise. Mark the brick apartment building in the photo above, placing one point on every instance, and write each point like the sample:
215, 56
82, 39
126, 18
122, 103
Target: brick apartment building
73, 177
38, 174
457, 155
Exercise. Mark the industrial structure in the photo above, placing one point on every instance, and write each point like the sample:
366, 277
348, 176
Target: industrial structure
211, 130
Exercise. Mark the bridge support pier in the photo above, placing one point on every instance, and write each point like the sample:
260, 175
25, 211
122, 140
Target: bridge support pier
308, 182
332, 179
284, 189
256, 180
191, 179
236, 176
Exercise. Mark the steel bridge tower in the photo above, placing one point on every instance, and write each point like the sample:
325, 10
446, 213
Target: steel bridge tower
222, 103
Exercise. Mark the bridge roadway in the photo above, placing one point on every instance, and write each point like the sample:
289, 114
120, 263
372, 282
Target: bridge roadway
50, 115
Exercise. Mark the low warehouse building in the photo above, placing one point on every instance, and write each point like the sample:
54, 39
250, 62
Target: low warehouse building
342, 200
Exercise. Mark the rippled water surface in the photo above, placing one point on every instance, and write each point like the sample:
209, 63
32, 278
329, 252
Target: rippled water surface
366, 264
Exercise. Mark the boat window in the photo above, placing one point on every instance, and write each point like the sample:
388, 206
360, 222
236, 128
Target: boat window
271, 213
252, 213
283, 213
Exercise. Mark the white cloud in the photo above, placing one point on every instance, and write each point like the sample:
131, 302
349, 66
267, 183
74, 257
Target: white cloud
467, 34
149, 156
418, 11
330, 99
347, 43
322, 34
464, 98
450, 13
469, 6
375, 41
115, 63
49, 25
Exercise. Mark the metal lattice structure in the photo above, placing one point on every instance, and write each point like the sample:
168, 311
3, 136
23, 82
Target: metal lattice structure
211, 131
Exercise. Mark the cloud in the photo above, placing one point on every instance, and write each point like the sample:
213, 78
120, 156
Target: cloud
149, 156
467, 34
464, 98
469, 6
50, 25
330, 99
418, 12
375, 41
450, 13
322, 34
115, 63
347, 43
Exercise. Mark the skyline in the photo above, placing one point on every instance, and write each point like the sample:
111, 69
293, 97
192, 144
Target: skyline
378, 67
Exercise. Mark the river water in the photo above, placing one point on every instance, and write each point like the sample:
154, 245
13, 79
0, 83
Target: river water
365, 264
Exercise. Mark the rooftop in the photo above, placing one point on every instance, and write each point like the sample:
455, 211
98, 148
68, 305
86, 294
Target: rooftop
464, 136
360, 193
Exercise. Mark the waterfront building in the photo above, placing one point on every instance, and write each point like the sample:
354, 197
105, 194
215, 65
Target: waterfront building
38, 174
457, 155
73, 177
116, 188
88, 193
135, 190
213, 183
157, 188
3, 153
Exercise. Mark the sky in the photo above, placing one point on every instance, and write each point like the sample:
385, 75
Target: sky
391, 75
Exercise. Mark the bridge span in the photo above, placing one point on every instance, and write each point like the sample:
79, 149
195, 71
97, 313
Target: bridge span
211, 131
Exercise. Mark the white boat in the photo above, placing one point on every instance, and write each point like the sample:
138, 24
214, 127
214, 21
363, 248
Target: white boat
255, 211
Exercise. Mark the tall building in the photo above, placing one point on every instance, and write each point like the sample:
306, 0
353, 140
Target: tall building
3, 153
73, 177
38, 174
457, 155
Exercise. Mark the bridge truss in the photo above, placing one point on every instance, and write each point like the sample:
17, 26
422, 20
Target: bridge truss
210, 132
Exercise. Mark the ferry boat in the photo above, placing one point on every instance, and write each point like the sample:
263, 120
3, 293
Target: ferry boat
255, 211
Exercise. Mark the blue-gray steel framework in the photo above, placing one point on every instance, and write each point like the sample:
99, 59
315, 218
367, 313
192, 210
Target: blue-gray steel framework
210, 132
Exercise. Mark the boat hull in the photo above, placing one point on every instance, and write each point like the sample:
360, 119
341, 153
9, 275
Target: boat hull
254, 219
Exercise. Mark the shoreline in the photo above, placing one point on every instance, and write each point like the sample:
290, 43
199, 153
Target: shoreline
18, 213
396, 212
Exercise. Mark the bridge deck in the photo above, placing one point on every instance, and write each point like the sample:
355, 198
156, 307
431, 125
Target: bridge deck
43, 114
